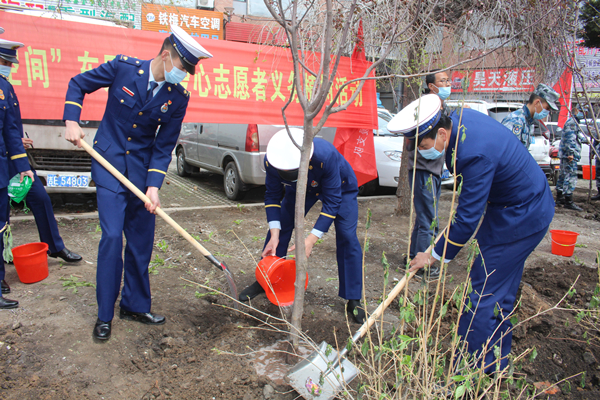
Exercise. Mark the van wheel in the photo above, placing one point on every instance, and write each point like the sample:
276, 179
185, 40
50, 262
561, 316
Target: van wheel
369, 188
183, 168
232, 183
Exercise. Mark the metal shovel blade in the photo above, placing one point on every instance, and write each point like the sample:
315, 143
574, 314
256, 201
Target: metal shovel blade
308, 380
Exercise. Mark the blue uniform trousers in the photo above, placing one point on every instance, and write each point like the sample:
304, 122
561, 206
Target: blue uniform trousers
426, 209
38, 200
495, 278
4, 215
119, 213
348, 250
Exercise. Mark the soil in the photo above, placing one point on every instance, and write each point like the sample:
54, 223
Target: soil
206, 348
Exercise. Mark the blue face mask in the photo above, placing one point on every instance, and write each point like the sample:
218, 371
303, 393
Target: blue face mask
542, 114
5, 70
432, 153
175, 75
444, 92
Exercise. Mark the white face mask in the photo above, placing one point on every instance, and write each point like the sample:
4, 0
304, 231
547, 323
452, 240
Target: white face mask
5, 70
175, 75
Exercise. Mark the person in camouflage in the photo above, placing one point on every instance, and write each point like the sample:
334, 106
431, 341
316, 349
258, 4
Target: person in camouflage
538, 107
569, 153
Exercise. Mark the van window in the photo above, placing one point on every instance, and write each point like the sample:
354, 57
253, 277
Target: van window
499, 113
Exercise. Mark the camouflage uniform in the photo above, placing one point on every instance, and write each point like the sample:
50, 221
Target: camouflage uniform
520, 123
569, 146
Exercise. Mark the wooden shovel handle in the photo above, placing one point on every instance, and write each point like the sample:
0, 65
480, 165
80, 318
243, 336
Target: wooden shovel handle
143, 197
390, 297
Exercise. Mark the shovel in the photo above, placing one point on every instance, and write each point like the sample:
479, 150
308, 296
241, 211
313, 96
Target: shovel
163, 215
319, 375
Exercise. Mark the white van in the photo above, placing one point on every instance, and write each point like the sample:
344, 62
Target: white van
539, 147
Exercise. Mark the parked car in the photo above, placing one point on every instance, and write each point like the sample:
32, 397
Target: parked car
539, 147
497, 110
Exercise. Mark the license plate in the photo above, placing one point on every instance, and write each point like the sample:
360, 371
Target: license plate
67, 181
445, 174
556, 160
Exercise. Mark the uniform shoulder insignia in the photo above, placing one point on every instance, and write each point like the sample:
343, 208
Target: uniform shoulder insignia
129, 60
182, 90
517, 129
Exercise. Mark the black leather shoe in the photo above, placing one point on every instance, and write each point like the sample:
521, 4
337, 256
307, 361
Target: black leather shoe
144, 318
102, 330
67, 255
5, 287
5, 304
356, 310
251, 292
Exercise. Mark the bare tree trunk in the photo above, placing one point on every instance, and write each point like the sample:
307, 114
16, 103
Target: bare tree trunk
411, 92
301, 260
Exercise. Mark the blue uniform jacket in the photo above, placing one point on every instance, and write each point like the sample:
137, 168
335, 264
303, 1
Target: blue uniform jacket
329, 176
128, 136
11, 145
497, 171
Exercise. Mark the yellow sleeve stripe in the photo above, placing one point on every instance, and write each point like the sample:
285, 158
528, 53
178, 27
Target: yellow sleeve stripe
272, 205
73, 103
157, 170
327, 215
451, 242
18, 156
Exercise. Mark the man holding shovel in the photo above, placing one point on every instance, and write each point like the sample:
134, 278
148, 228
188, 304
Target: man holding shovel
498, 173
138, 132
331, 180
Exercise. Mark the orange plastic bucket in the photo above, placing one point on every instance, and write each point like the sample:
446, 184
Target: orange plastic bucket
31, 262
563, 242
586, 172
278, 276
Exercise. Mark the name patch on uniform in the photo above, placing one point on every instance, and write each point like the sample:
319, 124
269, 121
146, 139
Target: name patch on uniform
314, 184
129, 92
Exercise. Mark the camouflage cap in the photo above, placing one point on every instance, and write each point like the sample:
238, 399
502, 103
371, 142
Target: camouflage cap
548, 94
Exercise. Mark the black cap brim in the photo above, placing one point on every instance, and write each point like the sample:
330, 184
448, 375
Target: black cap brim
9, 58
191, 69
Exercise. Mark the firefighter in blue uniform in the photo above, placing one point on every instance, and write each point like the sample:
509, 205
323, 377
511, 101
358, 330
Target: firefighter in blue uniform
331, 180
498, 173
11, 150
138, 132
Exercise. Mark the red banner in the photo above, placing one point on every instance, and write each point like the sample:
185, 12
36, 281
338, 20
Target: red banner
514, 80
356, 145
563, 88
242, 83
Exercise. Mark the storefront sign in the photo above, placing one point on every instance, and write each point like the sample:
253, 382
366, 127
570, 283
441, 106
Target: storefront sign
198, 23
497, 80
117, 10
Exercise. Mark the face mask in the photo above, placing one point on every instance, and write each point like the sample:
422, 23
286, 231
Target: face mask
542, 114
432, 153
444, 92
5, 70
175, 75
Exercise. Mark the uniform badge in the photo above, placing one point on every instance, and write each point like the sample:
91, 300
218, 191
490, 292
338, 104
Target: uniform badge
169, 102
516, 129
1, 95
314, 184
129, 92
164, 108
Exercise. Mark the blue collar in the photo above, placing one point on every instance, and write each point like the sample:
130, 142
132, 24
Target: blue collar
528, 116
